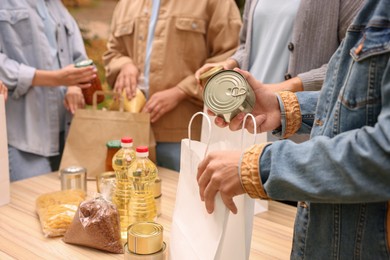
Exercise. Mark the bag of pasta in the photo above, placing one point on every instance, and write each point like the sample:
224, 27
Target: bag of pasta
56, 210
96, 225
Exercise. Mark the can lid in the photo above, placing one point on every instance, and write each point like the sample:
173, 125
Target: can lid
210, 72
225, 91
84, 63
73, 170
114, 144
145, 237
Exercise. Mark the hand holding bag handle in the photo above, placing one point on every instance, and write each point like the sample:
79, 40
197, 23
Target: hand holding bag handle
195, 234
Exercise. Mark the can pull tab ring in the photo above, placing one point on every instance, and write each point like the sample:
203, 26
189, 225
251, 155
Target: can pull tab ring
236, 92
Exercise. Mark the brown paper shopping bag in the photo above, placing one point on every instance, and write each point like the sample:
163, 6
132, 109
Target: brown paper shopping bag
91, 129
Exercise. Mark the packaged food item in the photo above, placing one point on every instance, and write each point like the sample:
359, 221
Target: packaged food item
96, 225
206, 75
56, 210
74, 177
142, 175
121, 198
134, 105
106, 184
95, 84
227, 93
113, 146
145, 242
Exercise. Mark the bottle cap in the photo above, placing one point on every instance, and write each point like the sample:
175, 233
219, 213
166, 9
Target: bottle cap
127, 140
113, 144
142, 149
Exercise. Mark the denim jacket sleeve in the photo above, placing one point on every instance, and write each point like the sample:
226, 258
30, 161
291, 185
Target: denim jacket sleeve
349, 167
307, 103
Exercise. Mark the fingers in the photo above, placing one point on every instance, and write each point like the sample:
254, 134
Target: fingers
83, 75
210, 184
84, 85
228, 201
133, 87
220, 122
3, 90
236, 122
203, 177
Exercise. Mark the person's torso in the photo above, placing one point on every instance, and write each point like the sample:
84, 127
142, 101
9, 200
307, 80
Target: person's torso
350, 99
35, 118
180, 46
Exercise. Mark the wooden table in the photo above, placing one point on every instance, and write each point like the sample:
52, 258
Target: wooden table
21, 236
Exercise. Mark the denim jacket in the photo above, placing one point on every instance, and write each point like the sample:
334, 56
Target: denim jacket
342, 175
34, 113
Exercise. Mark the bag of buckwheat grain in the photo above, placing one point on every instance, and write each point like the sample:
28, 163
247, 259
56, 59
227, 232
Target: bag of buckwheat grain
96, 225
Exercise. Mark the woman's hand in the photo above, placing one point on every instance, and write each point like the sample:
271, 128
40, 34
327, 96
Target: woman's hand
74, 99
67, 76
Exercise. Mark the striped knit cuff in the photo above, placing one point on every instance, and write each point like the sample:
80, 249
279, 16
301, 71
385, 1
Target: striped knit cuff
292, 112
250, 172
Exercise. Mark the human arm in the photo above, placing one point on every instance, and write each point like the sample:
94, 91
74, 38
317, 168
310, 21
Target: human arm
122, 71
162, 102
3, 90
67, 76
349, 167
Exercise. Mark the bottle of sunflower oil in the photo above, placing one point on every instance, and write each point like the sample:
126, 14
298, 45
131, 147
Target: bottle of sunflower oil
142, 173
121, 162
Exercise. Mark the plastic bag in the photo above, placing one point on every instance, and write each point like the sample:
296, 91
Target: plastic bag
57, 209
96, 225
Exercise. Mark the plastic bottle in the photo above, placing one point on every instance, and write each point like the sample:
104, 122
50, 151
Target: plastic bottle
142, 173
121, 162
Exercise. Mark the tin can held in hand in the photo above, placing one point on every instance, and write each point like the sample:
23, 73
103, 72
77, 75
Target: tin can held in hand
227, 93
95, 84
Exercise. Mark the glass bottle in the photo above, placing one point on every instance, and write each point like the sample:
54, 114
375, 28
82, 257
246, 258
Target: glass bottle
121, 163
142, 173
95, 84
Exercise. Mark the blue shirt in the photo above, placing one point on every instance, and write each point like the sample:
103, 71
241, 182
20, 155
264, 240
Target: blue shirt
35, 114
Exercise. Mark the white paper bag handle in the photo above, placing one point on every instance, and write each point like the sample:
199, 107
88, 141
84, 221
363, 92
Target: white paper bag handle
209, 128
243, 130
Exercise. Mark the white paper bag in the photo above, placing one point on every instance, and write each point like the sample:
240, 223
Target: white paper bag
4, 166
235, 140
196, 234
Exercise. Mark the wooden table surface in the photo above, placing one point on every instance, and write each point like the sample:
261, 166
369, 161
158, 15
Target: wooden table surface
21, 236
